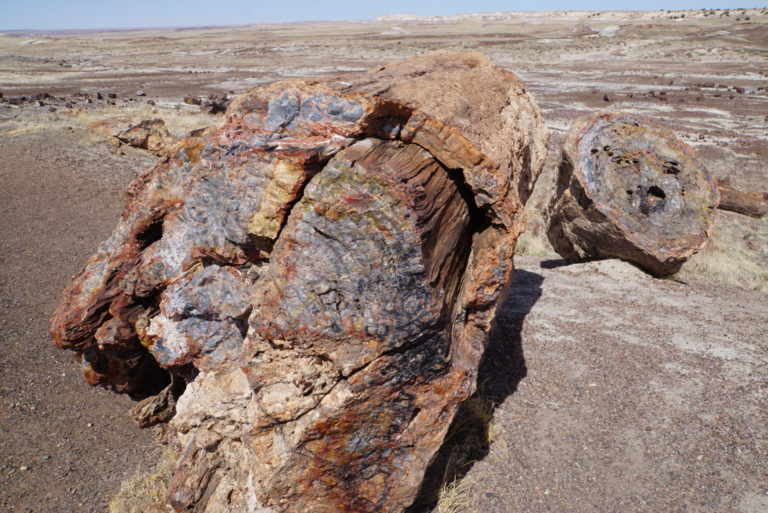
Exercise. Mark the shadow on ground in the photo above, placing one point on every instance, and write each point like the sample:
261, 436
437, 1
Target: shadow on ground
503, 367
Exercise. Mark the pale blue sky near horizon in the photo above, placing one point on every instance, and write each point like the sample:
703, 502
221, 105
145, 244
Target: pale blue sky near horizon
93, 14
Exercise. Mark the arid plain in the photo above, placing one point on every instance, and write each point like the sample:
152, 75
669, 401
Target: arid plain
610, 390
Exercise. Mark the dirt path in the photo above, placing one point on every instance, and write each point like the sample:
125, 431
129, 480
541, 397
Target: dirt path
64, 446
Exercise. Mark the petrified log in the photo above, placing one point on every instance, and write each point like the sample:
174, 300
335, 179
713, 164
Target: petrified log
751, 204
628, 188
322, 268
147, 134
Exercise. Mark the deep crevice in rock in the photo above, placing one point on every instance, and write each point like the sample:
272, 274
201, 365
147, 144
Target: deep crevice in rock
152, 233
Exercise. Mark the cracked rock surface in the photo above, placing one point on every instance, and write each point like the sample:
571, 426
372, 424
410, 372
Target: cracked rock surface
628, 188
321, 269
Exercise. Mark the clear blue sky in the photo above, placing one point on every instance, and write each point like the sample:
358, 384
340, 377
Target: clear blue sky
87, 14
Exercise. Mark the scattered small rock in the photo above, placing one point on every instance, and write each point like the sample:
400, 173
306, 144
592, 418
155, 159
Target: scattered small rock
192, 100
140, 93
606, 98
216, 104
112, 95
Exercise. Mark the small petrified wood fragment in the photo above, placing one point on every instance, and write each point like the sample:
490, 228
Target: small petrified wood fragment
146, 134
628, 188
322, 269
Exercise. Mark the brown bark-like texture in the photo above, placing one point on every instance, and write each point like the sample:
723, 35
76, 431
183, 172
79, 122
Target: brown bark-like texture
751, 204
628, 188
321, 269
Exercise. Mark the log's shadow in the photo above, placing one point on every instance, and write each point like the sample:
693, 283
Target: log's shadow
557, 262
503, 367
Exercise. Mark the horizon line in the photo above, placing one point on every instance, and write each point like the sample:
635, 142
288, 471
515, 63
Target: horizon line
413, 17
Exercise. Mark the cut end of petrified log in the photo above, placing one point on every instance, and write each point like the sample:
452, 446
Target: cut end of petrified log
321, 269
628, 188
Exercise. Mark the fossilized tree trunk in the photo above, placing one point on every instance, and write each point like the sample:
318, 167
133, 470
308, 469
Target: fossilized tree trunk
751, 204
322, 268
630, 189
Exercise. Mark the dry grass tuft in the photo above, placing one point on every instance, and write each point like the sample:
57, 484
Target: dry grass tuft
532, 245
445, 488
720, 266
734, 256
456, 497
145, 492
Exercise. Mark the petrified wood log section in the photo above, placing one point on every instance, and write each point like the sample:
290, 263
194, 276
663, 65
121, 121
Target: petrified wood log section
322, 268
751, 204
630, 189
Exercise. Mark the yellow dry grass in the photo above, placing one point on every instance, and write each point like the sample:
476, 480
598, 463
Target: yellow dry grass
469, 438
146, 490
456, 497
533, 246
180, 119
733, 256
719, 265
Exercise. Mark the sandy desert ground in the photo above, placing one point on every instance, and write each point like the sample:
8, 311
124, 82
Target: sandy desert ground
612, 391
